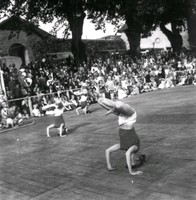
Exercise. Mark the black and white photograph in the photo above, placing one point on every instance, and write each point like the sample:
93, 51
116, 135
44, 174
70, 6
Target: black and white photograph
98, 100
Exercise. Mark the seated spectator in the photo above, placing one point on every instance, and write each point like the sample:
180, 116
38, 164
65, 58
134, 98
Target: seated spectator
194, 80
182, 80
18, 119
35, 111
162, 84
11, 110
6, 121
135, 90
189, 79
57, 98
168, 83
122, 93
147, 87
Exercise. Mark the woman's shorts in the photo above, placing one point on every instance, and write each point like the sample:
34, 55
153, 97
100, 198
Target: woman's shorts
58, 120
83, 104
128, 138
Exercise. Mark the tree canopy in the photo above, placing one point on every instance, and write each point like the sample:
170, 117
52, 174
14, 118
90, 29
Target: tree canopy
141, 17
144, 16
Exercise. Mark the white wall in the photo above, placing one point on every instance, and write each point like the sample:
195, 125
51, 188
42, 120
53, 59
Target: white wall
163, 41
148, 42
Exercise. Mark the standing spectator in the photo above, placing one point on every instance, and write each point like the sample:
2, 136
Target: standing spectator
147, 77
110, 86
25, 108
50, 81
42, 82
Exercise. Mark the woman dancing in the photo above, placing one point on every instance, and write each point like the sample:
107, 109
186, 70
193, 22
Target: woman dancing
58, 121
129, 140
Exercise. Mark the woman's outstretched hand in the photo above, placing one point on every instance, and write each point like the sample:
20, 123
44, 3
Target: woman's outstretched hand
136, 173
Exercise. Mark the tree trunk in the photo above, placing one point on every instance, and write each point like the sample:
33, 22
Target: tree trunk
134, 42
78, 47
191, 23
192, 33
133, 29
173, 36
76, 20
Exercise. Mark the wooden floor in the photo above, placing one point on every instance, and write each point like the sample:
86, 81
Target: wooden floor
35, 167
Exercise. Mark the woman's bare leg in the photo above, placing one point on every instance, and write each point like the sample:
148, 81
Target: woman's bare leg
85, 110
77, 110
61, 128
108, 152
48, 129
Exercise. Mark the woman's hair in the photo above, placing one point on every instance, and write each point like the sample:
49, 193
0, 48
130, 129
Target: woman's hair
60, 105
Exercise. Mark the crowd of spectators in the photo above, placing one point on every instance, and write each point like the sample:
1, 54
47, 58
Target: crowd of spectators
116, 77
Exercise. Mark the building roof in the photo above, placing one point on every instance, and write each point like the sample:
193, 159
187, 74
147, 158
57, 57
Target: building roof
17, 23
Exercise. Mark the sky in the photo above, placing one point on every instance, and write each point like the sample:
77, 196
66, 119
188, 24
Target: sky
89, 31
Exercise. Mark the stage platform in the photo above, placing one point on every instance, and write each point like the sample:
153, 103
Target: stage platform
34, 167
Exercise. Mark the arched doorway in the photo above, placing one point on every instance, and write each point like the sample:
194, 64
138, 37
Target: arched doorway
19, 50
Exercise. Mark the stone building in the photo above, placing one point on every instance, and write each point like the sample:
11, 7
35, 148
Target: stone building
17, 38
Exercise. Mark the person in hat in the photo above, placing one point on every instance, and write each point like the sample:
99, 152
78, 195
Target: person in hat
129, 140
58, 122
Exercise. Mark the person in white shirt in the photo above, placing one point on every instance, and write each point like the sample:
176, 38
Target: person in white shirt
36, 111
110, 85
58, 120
129, 140
83, 104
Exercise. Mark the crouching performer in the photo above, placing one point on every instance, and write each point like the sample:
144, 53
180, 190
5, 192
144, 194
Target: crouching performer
58, 120
129, 140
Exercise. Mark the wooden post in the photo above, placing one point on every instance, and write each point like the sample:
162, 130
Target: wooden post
30, 105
